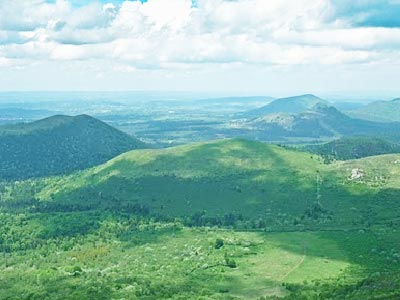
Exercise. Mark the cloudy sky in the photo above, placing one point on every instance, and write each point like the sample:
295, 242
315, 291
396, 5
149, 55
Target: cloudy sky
248, 46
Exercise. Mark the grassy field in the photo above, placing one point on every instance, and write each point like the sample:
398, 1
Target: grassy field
159, 261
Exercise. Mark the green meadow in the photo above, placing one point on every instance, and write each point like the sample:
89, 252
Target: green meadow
160, 261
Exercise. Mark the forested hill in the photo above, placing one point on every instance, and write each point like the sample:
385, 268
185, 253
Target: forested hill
58, 145
226, 178
354, 147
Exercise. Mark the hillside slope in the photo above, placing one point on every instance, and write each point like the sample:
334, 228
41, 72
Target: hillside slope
58, 145
224, 180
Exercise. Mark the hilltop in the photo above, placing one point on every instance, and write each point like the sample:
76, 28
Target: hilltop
58, 145
290, 105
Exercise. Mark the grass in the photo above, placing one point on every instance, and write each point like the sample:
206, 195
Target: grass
184, 262
286, 258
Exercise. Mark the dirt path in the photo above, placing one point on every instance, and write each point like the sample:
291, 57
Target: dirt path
278, 288
296, 266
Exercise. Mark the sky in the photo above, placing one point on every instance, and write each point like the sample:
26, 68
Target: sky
271, 47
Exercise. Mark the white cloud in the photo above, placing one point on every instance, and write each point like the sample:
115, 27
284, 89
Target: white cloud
167, 34
363, 38
4, 62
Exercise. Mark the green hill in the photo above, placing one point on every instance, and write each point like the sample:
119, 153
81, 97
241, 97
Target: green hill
219, 180
382, 111
58, 145
215, 177
291, 105
354, 147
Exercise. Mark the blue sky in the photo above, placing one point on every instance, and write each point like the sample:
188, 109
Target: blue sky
275, 47
375, 13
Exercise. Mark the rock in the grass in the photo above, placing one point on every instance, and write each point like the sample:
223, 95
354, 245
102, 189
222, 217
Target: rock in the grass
356, 174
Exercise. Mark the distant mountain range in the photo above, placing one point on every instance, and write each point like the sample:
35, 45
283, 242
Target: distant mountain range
58, 145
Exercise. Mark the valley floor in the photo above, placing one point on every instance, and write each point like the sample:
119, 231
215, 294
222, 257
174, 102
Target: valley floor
168, 261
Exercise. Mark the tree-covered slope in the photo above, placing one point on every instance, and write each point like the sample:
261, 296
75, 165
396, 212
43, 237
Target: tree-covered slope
229, 176
354, 147
225, 179
58, 145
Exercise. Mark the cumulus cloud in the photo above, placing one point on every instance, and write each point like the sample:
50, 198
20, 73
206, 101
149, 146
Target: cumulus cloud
176, 33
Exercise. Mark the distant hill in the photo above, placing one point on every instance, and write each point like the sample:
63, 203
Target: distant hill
383, 111
354, 147
321, 121
291, 105
58, 145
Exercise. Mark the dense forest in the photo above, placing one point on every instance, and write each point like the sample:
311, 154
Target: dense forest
59, 145
354, 147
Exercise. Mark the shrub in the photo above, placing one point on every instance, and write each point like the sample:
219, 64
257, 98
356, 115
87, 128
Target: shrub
219, 243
